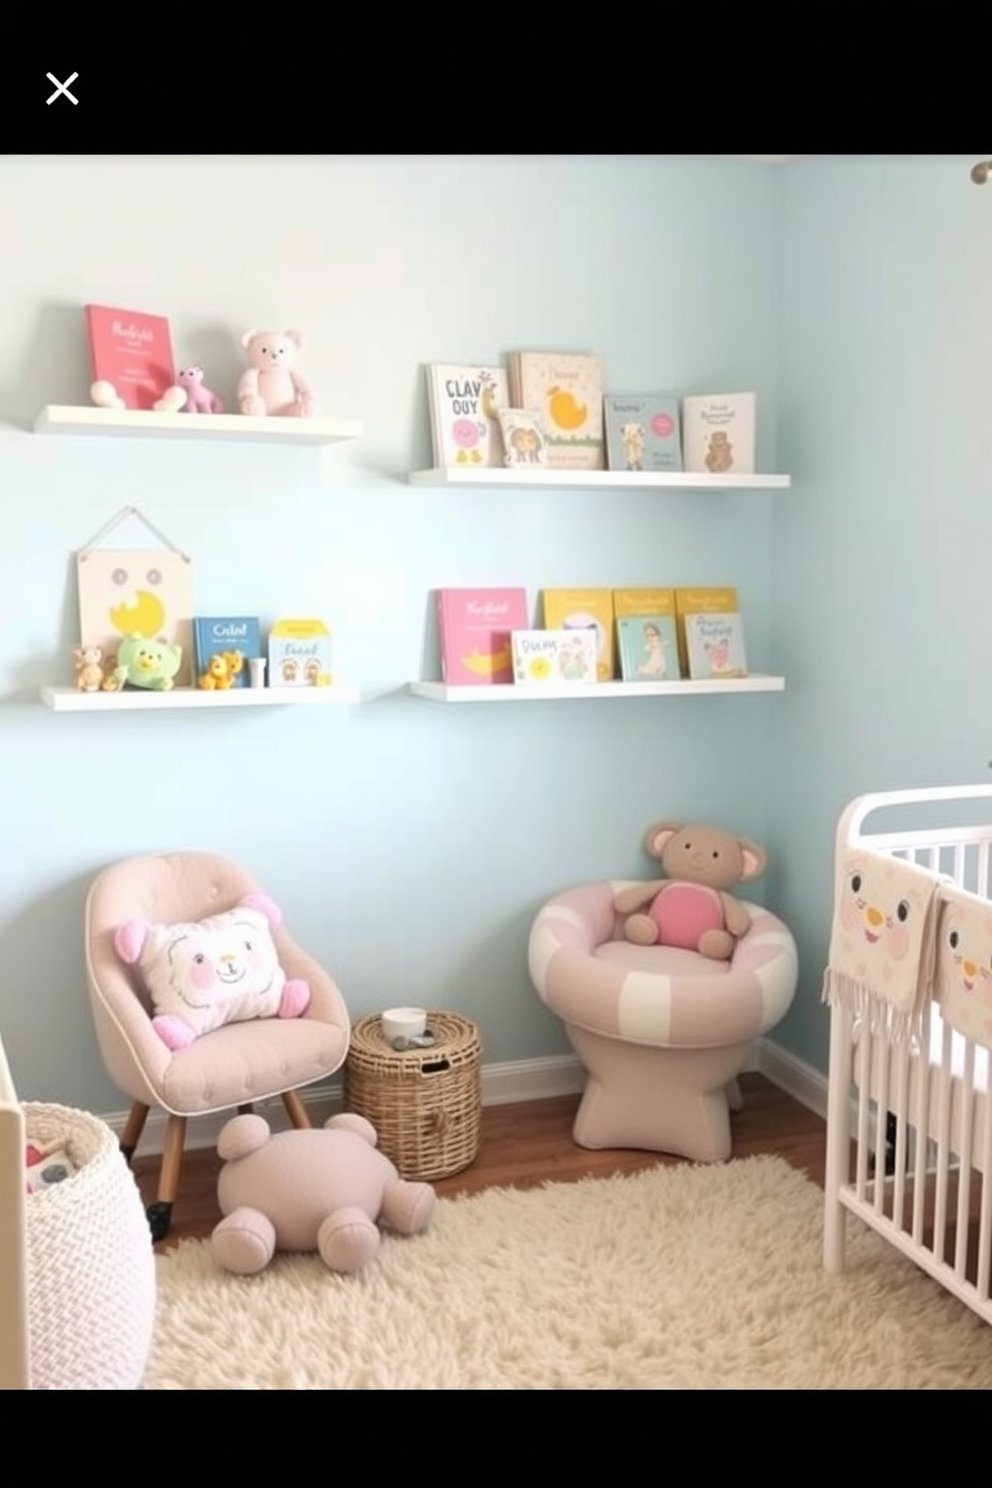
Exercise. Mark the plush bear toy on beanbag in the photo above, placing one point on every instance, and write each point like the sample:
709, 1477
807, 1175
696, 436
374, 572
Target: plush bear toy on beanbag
691, 907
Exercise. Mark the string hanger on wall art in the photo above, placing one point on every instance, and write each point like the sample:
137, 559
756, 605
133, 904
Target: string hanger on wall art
136, 607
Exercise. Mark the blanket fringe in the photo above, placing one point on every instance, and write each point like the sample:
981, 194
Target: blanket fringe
867, 1008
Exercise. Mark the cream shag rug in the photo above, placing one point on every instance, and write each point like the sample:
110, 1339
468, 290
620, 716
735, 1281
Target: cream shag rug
675, 1278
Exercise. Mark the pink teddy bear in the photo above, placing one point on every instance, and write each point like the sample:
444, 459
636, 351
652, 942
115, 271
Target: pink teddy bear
273, 386
199, 399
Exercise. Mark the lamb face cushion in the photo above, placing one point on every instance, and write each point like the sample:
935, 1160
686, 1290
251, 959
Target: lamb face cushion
222, 969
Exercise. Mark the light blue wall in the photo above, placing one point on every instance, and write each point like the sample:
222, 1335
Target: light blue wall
411, 843
881, 612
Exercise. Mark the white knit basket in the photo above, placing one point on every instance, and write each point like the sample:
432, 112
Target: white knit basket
90, 1263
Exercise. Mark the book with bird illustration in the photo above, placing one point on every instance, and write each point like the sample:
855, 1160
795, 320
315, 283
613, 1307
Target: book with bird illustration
464, 402
566, 389
474, 630
584, 609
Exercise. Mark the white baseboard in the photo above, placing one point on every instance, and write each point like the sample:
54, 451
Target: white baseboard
798, 1079
502, 1084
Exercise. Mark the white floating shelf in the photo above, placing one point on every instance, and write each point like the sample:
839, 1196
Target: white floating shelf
441, 692
235, 427
603, 480
69, 700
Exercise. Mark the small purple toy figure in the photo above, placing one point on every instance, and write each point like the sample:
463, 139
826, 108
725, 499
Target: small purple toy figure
199, 399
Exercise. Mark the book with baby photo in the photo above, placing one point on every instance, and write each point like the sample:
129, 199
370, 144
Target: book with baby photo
648, 648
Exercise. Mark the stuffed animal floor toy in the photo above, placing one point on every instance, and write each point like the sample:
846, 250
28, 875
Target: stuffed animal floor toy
223, 969
321, 1189
691, 907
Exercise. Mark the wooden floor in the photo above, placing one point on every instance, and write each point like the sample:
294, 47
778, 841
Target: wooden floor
531, 1143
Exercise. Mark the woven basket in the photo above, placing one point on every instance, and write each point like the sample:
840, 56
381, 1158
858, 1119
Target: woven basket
90, 1263
425, 1104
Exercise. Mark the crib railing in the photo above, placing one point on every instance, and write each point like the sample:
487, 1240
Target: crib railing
909, 1129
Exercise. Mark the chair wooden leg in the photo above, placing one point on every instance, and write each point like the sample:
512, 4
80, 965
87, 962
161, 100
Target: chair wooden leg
133, 1127
295, 1108
160, 1213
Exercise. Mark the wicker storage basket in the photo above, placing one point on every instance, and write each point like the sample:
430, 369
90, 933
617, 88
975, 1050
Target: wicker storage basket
425, 1104
90, 1263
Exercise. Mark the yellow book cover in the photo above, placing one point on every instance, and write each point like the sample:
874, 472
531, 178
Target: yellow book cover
643, 602
718, 599
584, 609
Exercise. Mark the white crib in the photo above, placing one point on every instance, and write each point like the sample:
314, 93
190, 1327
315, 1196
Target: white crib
909, 1135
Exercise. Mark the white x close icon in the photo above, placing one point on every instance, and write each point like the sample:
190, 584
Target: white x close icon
62, 89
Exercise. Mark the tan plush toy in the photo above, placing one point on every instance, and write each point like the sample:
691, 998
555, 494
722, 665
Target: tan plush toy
315, 1189
691, 908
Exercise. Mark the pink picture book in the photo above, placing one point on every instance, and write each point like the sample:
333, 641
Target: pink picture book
131, 351
474, 629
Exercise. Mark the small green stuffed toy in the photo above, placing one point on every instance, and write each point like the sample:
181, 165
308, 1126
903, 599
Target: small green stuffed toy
145, 663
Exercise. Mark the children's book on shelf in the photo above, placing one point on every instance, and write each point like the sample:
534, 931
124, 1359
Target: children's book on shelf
642, 431
715, 645
465, 400
300, 654
566, 389
218, 635
720, 599
584, 609
132, 351
554, 656
474, 630
523, 438
648, 648
647, 601
718, 433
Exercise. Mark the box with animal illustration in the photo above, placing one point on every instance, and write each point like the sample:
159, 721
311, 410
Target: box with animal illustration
300, 654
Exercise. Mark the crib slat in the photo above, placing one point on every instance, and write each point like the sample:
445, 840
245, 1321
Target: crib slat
966, 1115
881, 1089
943, 1143
985, 1221
924, 1082
864, 1110
902, 1124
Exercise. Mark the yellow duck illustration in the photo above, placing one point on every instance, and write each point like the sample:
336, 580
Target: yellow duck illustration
144, 615
565, 410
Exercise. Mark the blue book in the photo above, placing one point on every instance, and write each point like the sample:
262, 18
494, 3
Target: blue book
214, 635
642, 431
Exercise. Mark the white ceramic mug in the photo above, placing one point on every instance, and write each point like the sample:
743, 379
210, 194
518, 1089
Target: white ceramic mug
404, 1022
